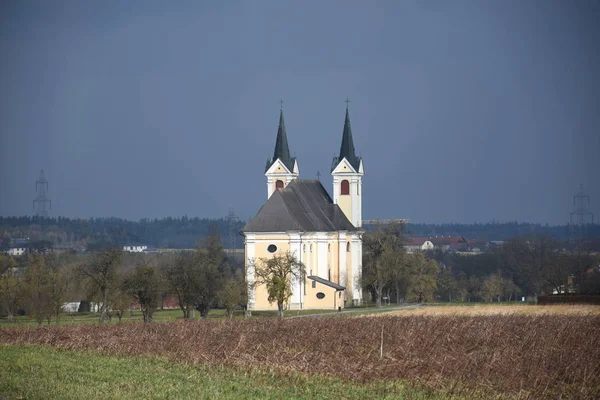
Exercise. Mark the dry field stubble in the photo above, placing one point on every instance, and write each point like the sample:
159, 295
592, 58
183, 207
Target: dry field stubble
502, 309
517, 355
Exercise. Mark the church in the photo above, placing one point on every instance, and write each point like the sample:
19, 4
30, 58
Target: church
300, 217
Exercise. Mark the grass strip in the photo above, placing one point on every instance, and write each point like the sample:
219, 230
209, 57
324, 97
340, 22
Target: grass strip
39, 372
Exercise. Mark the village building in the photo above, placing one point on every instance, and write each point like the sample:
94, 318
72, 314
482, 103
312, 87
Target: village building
18, 247
135, 247
322, 232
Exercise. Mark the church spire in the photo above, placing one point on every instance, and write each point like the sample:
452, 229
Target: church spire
281, 169
282, 150
347, 148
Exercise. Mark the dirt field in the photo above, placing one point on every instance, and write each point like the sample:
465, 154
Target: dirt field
515, 352
490, 309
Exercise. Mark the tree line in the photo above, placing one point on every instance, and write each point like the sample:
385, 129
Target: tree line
524, 266
40, 284
184, 232
98, 233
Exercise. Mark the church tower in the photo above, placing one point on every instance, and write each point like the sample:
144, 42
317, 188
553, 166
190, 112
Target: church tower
347, 172
281, 169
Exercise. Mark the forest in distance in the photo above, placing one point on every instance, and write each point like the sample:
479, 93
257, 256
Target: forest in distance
185, 232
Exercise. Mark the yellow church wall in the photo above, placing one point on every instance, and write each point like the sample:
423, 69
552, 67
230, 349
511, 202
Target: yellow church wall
309, 259
349, 277
261, 243
331, 301
345, 203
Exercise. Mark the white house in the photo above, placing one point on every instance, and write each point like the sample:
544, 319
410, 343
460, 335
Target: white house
418, 244
18, 247
135, 247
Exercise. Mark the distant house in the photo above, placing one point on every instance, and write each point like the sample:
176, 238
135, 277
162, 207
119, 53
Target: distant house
18, 247
135, 247
418, 244
444, 243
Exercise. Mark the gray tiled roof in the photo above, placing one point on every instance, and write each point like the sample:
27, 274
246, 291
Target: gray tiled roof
303, 205
327, 283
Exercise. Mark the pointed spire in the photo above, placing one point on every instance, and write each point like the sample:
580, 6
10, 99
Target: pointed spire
347, 148
282, 149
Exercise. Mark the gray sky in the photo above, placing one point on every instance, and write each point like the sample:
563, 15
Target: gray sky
464, 111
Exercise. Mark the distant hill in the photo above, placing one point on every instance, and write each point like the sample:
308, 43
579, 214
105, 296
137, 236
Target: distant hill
177, 233
185, 232
501, 231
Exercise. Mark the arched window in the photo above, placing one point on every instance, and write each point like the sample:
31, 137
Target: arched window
279, 184
304, 248
348, 246
329, 247
345, 187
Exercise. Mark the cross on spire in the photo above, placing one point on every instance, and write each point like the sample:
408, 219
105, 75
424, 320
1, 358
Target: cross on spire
281, 104
347, 101
318, 175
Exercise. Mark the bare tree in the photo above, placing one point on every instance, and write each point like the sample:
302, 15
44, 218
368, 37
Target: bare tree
10, 286
179, 275
144, 284
101, 272
38, 289
207, 274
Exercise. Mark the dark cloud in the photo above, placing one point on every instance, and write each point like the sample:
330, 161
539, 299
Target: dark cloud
463, 111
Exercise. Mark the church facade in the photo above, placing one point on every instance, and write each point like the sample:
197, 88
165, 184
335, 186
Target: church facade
322, 232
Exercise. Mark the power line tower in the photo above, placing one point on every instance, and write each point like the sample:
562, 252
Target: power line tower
580, 211
41, 203
233, 222
580, 216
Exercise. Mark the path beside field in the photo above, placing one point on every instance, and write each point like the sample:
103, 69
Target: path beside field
361, 311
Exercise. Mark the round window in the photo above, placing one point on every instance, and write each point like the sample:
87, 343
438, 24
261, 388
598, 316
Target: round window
320, 295
272, 248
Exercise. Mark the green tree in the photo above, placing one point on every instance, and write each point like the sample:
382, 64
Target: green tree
424, 280
277, 274
233, 292
447, 285
383, 259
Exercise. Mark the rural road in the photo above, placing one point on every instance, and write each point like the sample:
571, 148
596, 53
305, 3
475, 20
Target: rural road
361, 311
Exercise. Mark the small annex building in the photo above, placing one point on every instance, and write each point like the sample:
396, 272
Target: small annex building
322, 232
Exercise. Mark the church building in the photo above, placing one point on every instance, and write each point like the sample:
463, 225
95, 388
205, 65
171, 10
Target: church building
300, 217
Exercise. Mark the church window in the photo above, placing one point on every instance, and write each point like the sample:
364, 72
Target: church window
311, 247
314, 284
345, 187
329, 247
304, 248
348, 246
279, 184
272, 248
320, 295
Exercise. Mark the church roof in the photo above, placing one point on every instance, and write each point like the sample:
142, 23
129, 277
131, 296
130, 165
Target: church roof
282, 149
327, 283
303, 205
347, 148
